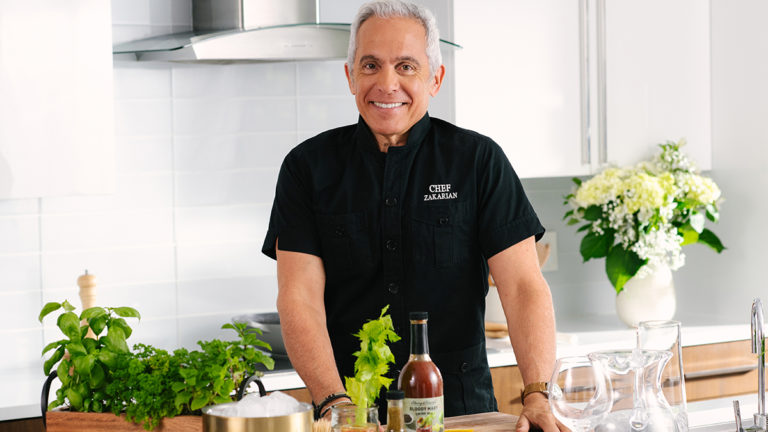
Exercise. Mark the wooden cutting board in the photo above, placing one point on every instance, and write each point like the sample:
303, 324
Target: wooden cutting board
485, 422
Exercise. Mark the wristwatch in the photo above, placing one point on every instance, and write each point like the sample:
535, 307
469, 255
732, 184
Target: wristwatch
536, 387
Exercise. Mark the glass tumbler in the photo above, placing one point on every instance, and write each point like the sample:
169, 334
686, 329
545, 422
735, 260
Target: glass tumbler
665, 335
344, 419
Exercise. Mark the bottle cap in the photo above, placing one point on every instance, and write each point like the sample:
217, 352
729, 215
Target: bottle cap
415, 316
395, 394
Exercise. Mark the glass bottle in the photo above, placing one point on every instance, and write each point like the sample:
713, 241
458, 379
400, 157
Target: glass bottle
395, 411
421, 382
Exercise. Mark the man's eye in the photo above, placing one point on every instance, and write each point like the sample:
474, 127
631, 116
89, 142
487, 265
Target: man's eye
369, 66
407, 68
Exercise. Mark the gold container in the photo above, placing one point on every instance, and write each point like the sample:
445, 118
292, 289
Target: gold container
297, 422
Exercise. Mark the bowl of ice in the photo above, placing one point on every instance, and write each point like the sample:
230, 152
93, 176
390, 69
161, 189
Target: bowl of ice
274, 412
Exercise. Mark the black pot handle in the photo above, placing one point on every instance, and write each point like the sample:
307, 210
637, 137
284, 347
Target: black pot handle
44, 396
246, 382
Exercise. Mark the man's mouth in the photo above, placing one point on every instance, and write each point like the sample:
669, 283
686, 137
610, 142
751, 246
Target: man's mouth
388, 105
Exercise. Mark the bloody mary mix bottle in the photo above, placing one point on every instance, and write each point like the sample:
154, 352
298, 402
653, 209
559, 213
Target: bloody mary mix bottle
421, 382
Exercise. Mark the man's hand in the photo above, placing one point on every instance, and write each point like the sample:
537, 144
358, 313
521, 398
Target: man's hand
537, 414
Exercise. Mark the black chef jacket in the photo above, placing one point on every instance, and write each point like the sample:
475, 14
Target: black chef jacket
412, 228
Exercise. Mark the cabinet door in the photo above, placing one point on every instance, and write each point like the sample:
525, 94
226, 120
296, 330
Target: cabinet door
657, 78
56, 125
518, 81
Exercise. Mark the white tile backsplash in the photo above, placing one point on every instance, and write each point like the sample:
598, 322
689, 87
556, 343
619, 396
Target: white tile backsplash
234, 81
225, 187
323, 78
315, 114
214, 224
27, 346
142, 117
141, 81
231, 296
19, 272
19, 234
213, 116
211, 261
232, 152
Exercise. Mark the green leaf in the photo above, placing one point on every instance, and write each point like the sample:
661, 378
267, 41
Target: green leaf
75, 398
53, 345
697, 221
57, 355
98, 323
76, 349
48, 308
108, 358
91, 313
594, 245
198, 402
67, 306
621, 265
123, 325
69, 324
181, 399
228, 326
572, 221
689, 234
712, 213
115, 340
584, 228
127, 312
709, 238
568, 214
593, 213
63, 372
576, 180
84, 364
97, 376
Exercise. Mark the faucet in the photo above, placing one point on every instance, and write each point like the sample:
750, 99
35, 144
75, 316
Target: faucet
758, 347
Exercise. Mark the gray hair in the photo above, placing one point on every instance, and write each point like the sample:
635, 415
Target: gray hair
398, 8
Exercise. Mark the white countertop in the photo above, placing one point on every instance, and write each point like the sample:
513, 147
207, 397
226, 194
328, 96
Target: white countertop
20, 395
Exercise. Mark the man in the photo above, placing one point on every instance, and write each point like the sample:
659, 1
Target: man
409, 211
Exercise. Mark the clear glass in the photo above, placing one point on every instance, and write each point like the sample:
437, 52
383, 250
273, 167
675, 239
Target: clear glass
639, 403
579, 393
344, 419
665, 335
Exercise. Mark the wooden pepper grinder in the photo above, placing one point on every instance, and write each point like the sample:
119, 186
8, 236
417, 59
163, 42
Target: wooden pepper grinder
87, 284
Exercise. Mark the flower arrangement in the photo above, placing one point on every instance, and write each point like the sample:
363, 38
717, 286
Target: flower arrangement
639, 217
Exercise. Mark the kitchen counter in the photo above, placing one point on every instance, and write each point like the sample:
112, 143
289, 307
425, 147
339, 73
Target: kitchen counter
20, 397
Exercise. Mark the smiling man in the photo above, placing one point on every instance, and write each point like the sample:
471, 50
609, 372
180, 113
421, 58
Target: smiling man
409, 211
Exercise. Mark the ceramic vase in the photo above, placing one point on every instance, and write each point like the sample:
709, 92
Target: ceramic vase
646, 298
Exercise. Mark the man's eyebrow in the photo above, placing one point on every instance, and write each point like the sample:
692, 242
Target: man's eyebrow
369, 57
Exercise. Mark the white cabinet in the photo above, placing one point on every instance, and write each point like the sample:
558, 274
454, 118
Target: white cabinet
56, 115
566, 87
657, 78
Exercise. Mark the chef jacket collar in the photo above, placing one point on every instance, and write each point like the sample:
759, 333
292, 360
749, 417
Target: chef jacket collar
367, 141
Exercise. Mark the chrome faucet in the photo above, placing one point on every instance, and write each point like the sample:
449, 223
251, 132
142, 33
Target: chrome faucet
758, 347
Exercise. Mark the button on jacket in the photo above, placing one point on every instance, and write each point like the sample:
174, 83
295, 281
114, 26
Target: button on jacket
411, 228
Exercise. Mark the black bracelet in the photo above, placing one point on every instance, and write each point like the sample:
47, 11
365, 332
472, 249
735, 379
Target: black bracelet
320, 408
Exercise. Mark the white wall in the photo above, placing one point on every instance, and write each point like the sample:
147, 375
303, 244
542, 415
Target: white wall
198, 152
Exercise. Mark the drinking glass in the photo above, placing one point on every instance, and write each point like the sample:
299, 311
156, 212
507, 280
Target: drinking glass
344, 419
665, 335
579, 393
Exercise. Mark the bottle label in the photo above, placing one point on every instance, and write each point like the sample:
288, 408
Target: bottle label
423, 414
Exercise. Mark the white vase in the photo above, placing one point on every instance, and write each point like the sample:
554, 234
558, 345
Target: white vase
651, 297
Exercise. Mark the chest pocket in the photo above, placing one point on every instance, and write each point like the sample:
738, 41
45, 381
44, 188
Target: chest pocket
441, 234
345, 242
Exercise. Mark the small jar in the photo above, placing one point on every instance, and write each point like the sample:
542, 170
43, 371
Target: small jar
395, 421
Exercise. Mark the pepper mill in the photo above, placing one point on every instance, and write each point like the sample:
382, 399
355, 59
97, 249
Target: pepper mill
87, 284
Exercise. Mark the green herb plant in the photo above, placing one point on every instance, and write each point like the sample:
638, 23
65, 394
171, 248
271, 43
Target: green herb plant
372, 364
149, 384
84, 363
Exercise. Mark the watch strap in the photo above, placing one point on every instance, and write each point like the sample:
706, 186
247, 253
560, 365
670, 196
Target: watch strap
536, 387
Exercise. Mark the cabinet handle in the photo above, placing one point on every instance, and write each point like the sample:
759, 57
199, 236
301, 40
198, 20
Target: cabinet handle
584, 80
602, 115
734, 370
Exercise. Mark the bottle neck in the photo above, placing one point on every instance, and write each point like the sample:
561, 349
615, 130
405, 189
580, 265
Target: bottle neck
419, 342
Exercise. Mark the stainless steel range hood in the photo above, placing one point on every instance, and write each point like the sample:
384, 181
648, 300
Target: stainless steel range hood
248, 31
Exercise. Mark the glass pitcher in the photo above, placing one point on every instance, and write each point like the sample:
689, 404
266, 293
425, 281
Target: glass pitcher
638, 400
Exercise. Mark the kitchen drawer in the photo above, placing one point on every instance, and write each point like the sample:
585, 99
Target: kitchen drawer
719, 370
507, 383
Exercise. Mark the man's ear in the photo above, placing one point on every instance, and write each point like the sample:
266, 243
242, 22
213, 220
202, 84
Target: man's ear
350, 80
437, 81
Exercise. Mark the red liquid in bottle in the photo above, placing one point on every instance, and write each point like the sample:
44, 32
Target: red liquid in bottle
421, 382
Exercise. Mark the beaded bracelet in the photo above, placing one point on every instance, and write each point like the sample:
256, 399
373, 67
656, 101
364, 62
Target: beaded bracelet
320, 410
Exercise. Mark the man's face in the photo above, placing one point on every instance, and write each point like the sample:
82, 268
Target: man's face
390, 78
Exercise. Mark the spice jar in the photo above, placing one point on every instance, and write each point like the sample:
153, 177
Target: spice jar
395, 411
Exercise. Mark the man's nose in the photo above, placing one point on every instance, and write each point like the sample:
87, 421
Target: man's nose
388, 80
